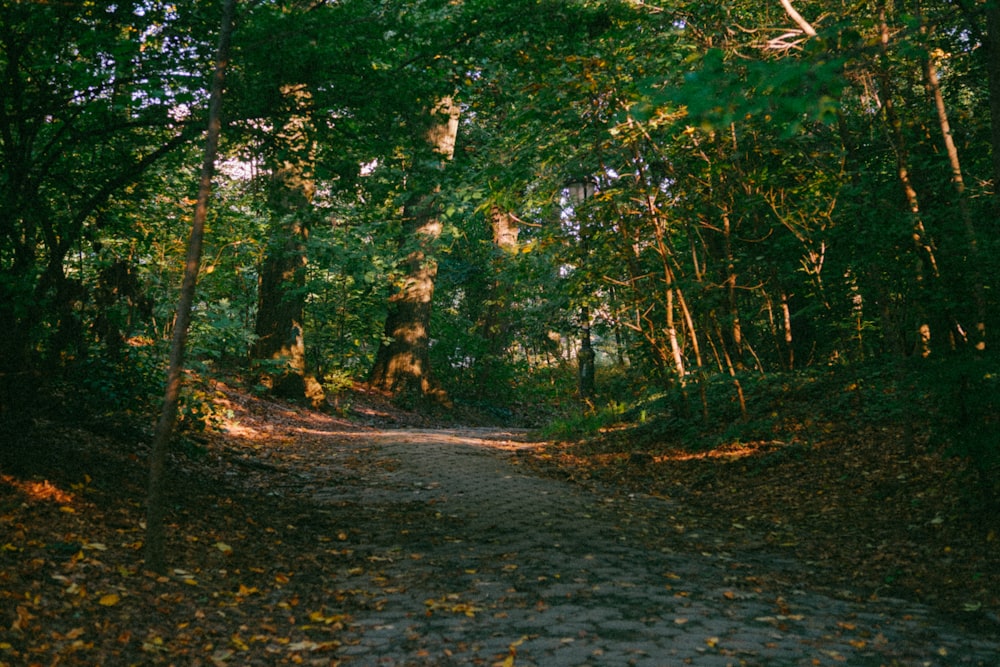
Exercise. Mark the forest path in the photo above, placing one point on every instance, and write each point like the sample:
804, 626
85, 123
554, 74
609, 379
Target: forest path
477, 560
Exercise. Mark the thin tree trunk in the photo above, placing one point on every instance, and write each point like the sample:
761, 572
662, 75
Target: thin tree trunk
155, 544
971, 238
804, 25
732, 371
731, 282
921, 241
676, 353
786, 318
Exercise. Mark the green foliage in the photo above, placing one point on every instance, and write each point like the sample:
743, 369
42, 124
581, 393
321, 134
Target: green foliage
197, 410
584, 424
220, 331
130, 382
751, 219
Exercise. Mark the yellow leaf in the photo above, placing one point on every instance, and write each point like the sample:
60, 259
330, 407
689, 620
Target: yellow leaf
23, 617
320, 617
224, 548
712, 641
109, 600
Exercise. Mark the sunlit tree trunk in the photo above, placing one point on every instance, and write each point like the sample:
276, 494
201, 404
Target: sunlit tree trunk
731, 283
971, 241
402, 364
281, 306
669, 287
636, 316
495, 324
729, 367
505, 229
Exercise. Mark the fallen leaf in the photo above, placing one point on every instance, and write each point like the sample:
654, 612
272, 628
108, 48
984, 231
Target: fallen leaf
23, 616
220, 657
109, 600
303, 646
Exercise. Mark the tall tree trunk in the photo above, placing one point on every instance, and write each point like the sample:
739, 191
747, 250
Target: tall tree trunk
494, 324
402, 363
280, 313
923, 245
155, 544
971, 238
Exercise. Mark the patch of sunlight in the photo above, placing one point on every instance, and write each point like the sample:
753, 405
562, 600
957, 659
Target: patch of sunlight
729, 452
38, 491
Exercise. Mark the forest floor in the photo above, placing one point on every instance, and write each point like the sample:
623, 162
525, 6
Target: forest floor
275, 559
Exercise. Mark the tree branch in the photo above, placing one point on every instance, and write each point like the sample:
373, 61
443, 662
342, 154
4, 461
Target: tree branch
799, 21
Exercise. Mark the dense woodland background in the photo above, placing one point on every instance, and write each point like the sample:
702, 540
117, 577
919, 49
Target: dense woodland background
572, 210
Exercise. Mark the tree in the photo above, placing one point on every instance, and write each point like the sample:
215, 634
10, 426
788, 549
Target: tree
280, 323
402, 364
155, 544
90, 95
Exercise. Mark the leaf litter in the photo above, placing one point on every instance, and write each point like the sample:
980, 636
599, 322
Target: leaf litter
261, 576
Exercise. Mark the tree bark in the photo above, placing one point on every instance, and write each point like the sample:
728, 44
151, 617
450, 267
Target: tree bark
402, 363
281, 305
804, 25
155, 544
495, 324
